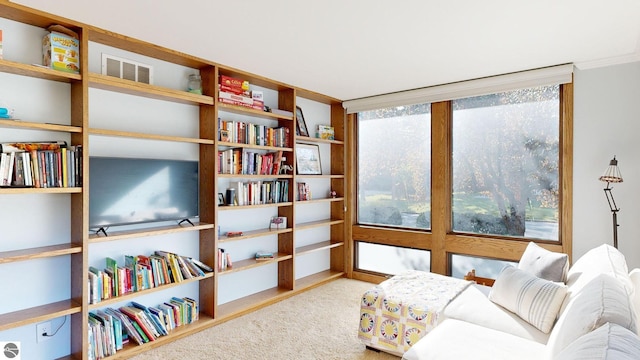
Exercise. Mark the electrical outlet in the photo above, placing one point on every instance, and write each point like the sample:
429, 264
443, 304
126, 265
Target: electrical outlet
43, 329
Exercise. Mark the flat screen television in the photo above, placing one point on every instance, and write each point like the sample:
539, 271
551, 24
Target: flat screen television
124, 191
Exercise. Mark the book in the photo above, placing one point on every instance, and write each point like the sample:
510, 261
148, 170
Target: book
264, 255
325, 132
202, 265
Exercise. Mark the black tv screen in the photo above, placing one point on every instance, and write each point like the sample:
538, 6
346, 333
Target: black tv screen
125, 191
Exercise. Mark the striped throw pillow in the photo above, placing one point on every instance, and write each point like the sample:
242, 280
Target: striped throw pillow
535, 300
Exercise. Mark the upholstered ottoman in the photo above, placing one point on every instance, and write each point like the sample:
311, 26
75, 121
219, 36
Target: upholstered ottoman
398, 312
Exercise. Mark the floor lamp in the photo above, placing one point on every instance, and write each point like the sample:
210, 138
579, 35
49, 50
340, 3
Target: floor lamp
612, 175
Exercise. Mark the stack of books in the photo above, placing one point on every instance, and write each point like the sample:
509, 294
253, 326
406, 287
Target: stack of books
264, 255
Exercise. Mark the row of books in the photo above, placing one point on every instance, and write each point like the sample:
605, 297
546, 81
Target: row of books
140, 273
253, 134
40, 165
110, 329
224, 260
247, 162
260, 192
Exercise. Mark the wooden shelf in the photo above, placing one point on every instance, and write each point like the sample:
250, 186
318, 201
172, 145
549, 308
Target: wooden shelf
39, 252
253, 234
320, 176
132, 349
38, 314
136, 294
160, 230
17, 123
315, 201
254, 177
252, 112
250, 303
317, 279
323, 245
247, 207
117, 133
39, 72
252, 263
309, 139
319, 223
251, 146
31, 190
110, 83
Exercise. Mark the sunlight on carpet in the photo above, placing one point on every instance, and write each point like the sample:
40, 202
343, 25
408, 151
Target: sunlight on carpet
321, 323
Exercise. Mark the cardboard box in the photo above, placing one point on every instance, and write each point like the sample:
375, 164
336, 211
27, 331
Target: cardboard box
61, 52
234, 85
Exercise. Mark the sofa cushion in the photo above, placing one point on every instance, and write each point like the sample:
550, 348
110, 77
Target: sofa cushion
604, 259
601, 300
456, 339
634, 275
534, 299
544, 264
473, 305
609, 341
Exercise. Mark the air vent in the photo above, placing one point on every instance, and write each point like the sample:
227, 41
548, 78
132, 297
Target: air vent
126, 69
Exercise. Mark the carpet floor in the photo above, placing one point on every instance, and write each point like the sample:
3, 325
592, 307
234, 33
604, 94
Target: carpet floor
321, 323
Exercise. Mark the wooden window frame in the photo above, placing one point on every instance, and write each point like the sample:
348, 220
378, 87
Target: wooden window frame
441, 241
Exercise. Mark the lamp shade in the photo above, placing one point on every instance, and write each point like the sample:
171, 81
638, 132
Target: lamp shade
612, 174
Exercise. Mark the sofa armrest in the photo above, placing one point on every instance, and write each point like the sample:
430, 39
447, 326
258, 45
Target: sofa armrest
471, 275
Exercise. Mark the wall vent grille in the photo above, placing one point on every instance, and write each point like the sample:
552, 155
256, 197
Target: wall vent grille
126, 69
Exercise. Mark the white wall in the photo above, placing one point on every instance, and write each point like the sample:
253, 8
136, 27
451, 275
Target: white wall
606, 123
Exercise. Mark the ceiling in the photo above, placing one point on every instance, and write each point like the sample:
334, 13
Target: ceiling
350, 49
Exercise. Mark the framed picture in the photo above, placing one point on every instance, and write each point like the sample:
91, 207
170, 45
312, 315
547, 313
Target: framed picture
308, 159
301, 126
221, 199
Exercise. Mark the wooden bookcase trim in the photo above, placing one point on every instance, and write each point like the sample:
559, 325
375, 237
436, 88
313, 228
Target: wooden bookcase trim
30, 190
111, 83
161, 230
252, 112
136, 294
38, 313
223, 144
323, 245
39, 72
39, 252
251, 302
17, 123
132, 349
309, 139
118, 133
317, 279
253, 234
312, 201
252, 263
245, 207
313, 224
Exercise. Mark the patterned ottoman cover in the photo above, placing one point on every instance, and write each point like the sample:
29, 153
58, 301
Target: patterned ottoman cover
398, 312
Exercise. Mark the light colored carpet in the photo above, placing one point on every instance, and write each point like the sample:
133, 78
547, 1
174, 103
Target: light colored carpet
290, 329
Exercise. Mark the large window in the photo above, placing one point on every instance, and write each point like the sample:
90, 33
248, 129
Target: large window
466, 181
505, 163
394, 162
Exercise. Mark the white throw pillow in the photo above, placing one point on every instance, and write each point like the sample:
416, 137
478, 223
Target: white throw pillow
535, 300
544, 264
609, 341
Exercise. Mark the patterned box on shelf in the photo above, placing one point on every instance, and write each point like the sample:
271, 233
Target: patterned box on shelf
398, 312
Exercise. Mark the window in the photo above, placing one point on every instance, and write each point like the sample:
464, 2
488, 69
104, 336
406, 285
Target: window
391, 260
394, 162
465, 178
505, 163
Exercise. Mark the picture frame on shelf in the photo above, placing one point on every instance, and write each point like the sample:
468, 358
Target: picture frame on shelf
278, 222
308, 159
301, 125
221, 201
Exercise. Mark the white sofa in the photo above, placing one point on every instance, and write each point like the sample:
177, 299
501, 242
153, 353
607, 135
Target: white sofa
593, 315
